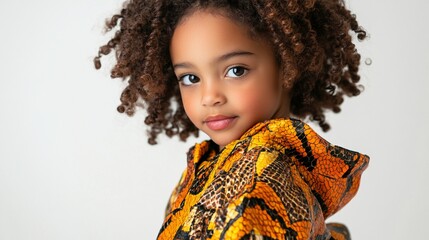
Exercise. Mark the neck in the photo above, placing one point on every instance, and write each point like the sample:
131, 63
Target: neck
283, 111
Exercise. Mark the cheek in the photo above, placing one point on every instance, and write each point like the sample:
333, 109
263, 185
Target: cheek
189, 104
260, 101
263, 95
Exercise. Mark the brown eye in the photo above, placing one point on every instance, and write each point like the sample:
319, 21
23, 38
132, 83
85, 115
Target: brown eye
189, 79
236, 72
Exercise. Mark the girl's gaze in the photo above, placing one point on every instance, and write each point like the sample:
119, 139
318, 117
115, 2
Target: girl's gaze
236, 72
247, 71
189, 79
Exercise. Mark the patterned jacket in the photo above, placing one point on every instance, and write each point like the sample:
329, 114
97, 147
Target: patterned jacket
280, 180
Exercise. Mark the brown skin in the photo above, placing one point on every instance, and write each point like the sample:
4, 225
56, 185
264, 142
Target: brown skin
311, 42
229, 81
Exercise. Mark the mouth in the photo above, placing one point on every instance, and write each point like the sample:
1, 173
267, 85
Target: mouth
219, 122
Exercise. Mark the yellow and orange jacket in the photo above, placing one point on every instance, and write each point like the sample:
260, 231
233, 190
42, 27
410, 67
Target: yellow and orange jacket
280, 180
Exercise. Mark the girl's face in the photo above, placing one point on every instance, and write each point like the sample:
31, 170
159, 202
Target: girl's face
229, 81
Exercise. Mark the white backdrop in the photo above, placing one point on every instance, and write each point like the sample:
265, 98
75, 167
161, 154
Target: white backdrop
71, 167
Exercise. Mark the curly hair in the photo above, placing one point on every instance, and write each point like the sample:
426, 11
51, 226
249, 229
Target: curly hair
312, 40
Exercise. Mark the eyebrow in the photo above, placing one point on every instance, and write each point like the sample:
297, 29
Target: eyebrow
221, 58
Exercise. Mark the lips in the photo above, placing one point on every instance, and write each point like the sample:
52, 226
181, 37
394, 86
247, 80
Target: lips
219, 122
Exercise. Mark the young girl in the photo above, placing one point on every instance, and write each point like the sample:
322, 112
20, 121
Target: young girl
238, 71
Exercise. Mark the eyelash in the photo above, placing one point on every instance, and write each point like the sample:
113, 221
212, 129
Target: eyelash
245, 71
182, 79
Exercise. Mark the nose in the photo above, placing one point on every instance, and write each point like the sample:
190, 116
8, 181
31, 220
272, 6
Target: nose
212, 94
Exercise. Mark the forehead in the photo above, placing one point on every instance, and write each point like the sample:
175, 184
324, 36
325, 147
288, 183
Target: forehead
209, 32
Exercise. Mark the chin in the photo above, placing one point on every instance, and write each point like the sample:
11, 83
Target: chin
220, 143
225, 138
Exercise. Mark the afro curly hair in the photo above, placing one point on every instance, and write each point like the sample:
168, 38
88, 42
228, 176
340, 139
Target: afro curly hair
312, 40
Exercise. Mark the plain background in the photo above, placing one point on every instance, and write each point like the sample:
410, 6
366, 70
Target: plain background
71, 167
